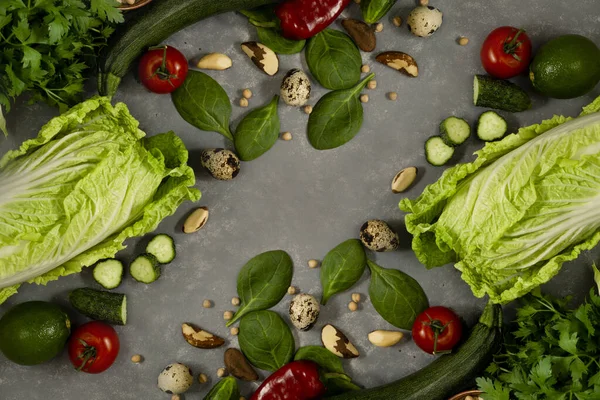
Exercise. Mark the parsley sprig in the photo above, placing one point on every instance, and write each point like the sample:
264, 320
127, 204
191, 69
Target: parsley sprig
552, 352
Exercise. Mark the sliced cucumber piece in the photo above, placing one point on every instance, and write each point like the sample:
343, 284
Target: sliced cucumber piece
500, 94
162, 247
145, 268
437, 151
491, 126
455, 131
109, 273
100, 305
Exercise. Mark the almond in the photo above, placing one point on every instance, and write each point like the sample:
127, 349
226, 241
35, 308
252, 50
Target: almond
262, 56
400, 61
336, 342
200, 338
362, 34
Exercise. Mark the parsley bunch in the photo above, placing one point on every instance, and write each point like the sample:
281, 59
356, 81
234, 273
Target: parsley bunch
47, 45
552, 353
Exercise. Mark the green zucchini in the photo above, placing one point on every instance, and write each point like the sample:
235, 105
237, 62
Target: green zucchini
449, 374
496, 93
150, 26
100, 305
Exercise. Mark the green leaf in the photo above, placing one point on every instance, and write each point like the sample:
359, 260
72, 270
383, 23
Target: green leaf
258, 131
21, 30
397, 297
542, 372
225, 389
263, 282
342, 267
333, 59
57, 28
596, 276
31, 57
326, 359
374, 10
280, 45
568, 342
202, 102
18, 86
583, 314
493, 390
263, 16
338, 383
106, 10
3, 122
337, 117
266, 340
578, 369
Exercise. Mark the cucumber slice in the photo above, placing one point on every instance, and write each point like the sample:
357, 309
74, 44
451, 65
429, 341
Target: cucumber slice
100, 305
437, 151
162, 247
455, 131
145, 268
109, 273
491, 126
497, 93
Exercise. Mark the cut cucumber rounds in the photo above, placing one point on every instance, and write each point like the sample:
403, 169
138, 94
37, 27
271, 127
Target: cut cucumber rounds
145, 268
162, 247
109, 273
437, 151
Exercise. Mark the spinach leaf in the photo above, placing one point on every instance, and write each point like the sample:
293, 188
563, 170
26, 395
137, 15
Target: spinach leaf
342, 267
202, 102
338, 384
374, 10
266, 340
337, 117
397, 297
273, 40
258, 131
226, 389
263, 282
333, 59
326, 359
263, 16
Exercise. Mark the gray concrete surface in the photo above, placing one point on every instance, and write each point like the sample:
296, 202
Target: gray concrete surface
298, 199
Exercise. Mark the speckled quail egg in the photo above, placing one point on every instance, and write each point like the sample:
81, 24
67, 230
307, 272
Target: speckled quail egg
295, 88
222, 164
377, 235
175, 378
304, 311
424, 21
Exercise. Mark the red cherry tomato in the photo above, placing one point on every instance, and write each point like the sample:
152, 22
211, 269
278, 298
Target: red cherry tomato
93, 347
506, 52
163, 69
437, 330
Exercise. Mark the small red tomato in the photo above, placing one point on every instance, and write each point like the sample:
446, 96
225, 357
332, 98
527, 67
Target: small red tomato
163, 69
506, 52
93, 347
437, 330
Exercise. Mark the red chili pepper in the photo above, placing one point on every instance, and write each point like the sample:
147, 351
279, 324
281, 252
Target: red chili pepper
298, 380
303, 19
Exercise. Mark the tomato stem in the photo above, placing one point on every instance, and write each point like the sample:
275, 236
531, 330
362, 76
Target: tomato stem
438, 328
89, 353
162, 71
510, 47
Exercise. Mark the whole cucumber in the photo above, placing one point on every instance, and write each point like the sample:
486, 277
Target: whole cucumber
151, 25
374, 10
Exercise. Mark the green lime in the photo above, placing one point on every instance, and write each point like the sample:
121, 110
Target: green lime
566, 67
33, 332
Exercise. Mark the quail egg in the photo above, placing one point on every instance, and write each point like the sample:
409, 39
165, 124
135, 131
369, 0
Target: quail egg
295, 88
175, 378
222, 164
377, 235
424, 21
304, 311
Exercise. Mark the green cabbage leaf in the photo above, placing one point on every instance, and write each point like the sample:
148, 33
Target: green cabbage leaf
511, 218
87, 182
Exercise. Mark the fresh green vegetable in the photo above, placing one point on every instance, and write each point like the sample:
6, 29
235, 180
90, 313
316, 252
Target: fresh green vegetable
550, 352
266, 340
455, 131
333, 59
153, 25
500, 94
337, 117
202, 102
437, 151
258, 131
263, 282
47, 47
337, 383
326, 359
100, 305
162, 247
145, 268
280, 45
448, 374
262, 16
397, 297
491, 126
226, 389
374, 10
109, 273
89, 181
342, 267
506, 217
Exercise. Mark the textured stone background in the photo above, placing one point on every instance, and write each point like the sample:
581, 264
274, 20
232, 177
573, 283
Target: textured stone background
299, 199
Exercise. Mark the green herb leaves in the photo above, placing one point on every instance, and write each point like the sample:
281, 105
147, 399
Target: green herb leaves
342, 267
280, 45
263, 282
202, 102
397, 297
326, 359
258, 131
333, 59
225, 389
266, 340
374, 10
337, 117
